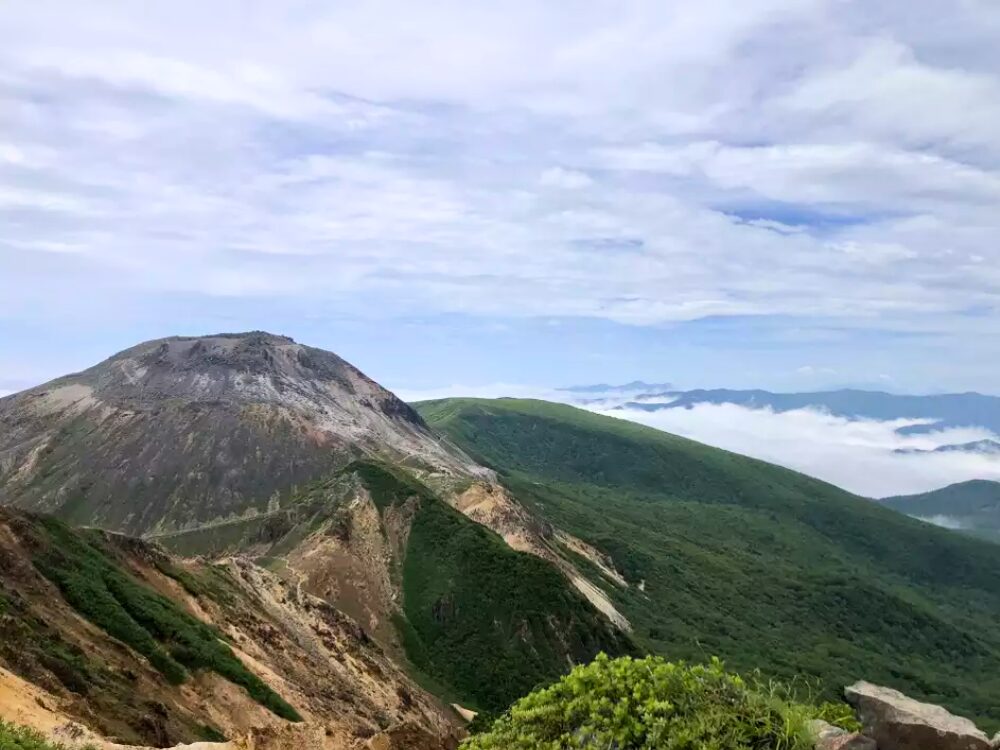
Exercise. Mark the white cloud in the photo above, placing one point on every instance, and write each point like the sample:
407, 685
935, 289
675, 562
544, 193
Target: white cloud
947, 522
853, 173
645, 163
886, 91
858, 455
815, 371
569, 179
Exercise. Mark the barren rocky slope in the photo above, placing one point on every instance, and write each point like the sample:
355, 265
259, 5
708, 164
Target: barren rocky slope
108, 666
180, 432
484, 616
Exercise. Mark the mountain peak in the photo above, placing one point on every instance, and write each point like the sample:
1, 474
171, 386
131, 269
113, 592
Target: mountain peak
188, 429
254, 367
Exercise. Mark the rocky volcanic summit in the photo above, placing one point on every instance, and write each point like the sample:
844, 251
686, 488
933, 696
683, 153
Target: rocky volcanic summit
184, 431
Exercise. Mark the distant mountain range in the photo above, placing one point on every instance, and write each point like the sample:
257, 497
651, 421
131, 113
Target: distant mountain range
988, 447
940, 411
972, 507
636, 386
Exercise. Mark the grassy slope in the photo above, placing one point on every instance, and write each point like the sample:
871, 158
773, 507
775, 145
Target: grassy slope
93, 583
483, 620
763, 566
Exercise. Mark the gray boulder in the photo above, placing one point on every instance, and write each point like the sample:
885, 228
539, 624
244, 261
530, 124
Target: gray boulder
897, 722
828, 737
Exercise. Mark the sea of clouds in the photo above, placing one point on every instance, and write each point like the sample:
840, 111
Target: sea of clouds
859, 455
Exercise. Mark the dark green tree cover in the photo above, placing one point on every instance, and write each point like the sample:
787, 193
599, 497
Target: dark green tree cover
485, 621
764, 566
973, 505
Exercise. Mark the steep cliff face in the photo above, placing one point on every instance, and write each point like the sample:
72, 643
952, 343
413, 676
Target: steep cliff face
181, 432
484, 616
158, 651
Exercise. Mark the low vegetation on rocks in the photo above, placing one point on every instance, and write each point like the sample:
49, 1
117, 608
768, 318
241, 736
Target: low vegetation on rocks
15, 737
173, 641
641, 704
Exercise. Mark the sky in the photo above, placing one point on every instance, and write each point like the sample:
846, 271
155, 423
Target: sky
789, 194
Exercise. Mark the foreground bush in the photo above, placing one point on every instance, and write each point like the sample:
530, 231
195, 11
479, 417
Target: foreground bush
647, 704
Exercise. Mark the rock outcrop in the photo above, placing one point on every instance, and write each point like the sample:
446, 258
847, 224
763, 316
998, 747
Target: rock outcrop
828, 737
897, 722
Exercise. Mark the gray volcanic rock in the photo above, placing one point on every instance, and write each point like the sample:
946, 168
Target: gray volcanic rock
828, 737
184, 431
897, 722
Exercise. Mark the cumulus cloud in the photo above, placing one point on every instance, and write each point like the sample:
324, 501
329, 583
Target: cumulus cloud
858, 455
569, 179
653, 163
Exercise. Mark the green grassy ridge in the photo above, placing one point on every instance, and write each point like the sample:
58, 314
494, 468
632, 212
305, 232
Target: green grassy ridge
387, 486
480, 619
93, 583
209, 539
764, 566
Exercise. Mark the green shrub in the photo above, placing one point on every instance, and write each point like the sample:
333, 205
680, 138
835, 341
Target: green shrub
14, 737
840, 715
647, 704
187, 581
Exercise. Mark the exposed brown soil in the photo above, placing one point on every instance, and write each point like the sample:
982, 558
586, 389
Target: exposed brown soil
320, 660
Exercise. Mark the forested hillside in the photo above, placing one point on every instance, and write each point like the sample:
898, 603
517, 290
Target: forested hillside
730, 556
